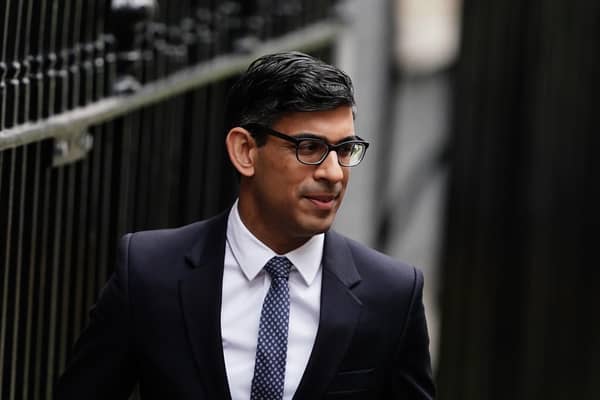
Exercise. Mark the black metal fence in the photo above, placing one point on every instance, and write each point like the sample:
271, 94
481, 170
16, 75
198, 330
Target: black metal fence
110, 121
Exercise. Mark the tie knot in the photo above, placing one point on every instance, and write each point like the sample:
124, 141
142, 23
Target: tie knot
278, 267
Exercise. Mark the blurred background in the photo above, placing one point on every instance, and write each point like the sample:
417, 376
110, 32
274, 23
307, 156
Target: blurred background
482, 169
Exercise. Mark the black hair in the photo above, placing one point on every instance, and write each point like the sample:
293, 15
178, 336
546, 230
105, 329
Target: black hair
281, 83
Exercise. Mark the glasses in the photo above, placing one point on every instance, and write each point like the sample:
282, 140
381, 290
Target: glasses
313, 151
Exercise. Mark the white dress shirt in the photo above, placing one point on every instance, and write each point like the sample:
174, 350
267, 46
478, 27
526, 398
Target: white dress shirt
245, 285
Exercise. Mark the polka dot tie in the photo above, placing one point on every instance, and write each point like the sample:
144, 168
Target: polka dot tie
271, 350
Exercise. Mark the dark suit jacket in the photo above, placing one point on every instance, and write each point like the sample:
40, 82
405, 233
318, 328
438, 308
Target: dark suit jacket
157, 323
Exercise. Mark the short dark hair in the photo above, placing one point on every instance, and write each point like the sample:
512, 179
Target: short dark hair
281, 83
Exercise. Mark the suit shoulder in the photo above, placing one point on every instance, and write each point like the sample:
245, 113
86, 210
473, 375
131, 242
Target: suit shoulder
371, 262
164, 237
363, 251
160, 244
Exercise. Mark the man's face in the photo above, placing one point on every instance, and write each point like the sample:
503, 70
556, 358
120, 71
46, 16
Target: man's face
291, 201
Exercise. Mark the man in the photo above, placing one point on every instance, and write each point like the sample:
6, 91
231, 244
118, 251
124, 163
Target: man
263, 301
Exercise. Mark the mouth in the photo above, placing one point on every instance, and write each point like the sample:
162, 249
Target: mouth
323, 201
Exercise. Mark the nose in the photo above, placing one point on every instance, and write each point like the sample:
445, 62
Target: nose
330, 169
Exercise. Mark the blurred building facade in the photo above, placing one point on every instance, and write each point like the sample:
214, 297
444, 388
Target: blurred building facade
400, 54
520, 282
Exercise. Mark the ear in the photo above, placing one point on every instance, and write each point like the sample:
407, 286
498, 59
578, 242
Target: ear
241, 148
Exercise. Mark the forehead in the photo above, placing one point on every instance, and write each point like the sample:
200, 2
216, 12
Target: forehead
332, 125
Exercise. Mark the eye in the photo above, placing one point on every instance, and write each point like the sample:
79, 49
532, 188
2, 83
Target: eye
347, 149
310, 147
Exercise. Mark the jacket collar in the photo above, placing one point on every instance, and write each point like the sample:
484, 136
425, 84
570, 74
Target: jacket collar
200, 296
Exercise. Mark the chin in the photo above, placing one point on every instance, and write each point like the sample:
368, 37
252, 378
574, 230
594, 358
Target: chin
318, 227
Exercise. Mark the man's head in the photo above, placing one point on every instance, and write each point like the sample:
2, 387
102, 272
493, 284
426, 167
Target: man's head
281, 83
290, 191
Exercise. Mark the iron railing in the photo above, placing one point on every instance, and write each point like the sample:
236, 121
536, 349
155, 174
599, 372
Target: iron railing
111, 121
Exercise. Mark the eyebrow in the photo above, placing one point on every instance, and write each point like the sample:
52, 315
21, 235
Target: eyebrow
308, 135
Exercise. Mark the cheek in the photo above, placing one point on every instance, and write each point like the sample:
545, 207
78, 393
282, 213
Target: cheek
285, 174
346, 176
280, 183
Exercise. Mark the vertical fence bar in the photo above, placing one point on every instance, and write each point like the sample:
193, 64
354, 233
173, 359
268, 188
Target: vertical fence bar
101, 56
57, 210
50, 59
4, 16
132, 171
142, 183
87, 63
124, 127
74, 59
42, 303
62, 57
18, 215
166, 150
3, 271
38, 30
215, 168
159, 144
173, 178
14, 66
108, 43
191, 200
6, 225
105, 221
93, 211
66, 270
25, 57
31, 264
82, 249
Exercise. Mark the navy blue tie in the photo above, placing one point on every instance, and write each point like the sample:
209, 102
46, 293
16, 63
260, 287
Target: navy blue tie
271, 349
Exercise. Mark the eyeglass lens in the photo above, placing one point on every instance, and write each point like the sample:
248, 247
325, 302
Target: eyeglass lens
315, 151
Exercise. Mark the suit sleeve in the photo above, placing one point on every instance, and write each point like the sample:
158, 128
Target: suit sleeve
102, 365
411, 370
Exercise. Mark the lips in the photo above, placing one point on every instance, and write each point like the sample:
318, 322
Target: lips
323, 201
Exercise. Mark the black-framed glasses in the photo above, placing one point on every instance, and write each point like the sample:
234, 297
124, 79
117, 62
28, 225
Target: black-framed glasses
313, 151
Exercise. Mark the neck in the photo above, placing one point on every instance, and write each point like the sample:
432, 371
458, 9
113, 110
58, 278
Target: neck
273, 238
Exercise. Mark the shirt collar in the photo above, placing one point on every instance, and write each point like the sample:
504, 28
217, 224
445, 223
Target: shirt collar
251, 254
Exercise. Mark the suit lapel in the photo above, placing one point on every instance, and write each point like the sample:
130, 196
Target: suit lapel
340, 311
201, 302
201, 294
